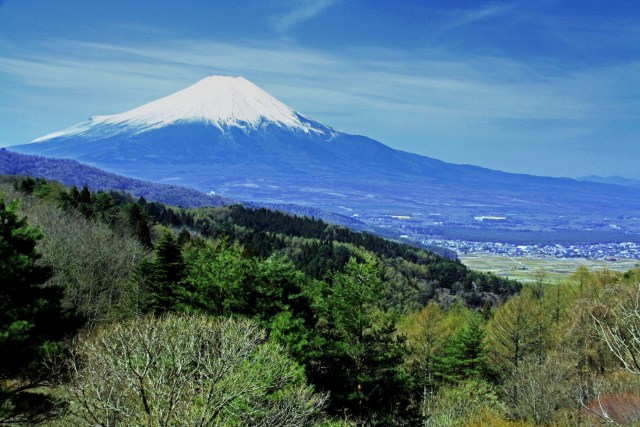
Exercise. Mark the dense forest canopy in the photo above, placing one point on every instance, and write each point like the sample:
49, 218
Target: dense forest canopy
238, 316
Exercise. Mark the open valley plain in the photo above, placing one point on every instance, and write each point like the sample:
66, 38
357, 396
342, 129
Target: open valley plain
556, 269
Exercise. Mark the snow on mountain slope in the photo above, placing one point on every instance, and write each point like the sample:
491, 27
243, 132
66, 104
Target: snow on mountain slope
221, 101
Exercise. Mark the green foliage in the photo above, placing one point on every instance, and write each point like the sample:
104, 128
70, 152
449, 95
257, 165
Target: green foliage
319, 249
218, 277
512, 332
222, 280
161, 281
29, 312
168, 259
457, 403
464, 356
415, 276
362, 358
32, 321
138, 221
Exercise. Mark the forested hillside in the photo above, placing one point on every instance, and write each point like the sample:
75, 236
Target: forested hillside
238, 316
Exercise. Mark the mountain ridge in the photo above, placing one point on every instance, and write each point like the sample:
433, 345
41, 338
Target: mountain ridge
73, 173
612, 180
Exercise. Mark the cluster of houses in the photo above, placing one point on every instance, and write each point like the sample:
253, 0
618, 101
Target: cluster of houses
600, 251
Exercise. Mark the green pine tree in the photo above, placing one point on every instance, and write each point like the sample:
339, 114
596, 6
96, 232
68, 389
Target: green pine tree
32, 321
167, 274
362, 364
465, 356
139, 222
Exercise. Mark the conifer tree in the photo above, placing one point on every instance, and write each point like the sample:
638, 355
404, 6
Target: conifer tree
85, 202
24, 303
31, 318
85, 195
167, 273
464, 356
138, 221
362, 363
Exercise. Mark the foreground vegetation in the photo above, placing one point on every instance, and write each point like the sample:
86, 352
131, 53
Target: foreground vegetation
122, 312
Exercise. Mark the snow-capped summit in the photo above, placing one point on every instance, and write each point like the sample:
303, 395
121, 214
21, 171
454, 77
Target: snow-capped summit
221, 101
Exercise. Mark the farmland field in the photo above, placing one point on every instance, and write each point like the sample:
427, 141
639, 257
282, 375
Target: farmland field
557, 269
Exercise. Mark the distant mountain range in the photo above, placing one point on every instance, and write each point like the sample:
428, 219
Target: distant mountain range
615, 180
226, 135
70, 172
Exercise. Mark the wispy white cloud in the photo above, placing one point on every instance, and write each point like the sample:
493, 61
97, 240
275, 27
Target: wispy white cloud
137, 28
471, 87
461, 18
302, 11
351, 94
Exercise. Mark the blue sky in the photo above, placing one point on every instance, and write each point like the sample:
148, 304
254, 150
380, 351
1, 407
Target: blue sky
543, 87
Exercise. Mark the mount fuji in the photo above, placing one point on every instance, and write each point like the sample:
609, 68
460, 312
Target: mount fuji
218, 101
228, 136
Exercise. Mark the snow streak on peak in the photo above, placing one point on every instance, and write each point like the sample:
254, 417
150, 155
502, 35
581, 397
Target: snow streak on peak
218, 100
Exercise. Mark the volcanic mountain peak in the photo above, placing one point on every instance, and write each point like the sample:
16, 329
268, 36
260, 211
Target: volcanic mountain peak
222, 101
226, 135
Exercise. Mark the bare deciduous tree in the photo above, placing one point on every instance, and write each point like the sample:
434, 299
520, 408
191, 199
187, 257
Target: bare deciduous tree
91, 262
617, 321
187, 370
541, 388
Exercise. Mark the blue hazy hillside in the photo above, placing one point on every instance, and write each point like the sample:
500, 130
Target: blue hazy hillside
71, 172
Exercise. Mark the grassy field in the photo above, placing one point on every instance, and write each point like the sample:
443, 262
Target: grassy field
523, 269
